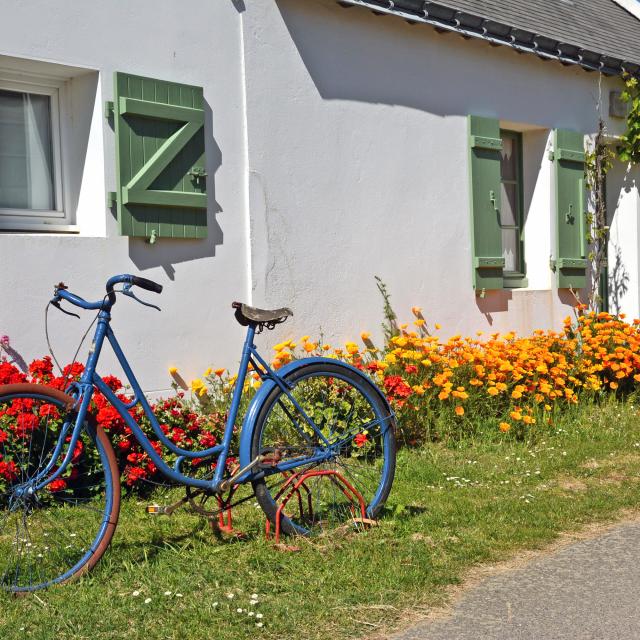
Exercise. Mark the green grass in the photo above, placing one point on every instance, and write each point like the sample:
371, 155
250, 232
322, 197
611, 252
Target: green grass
451, 507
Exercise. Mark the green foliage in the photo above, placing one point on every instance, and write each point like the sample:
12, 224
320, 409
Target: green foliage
598, 162
390, 322
629, 148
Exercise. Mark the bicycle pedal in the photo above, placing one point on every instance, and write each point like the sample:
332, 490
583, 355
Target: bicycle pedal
157, 510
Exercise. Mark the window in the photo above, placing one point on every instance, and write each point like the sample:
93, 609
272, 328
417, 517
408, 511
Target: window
30, 167
511, 210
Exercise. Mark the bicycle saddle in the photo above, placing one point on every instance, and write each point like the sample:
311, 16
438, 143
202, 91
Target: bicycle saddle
246, 315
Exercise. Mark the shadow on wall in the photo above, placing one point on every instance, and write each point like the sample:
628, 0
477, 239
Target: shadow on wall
618, 282
347, 51
618, 276
494, 302
166, 252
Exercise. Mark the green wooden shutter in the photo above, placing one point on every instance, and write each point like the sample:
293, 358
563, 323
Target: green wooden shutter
568, 160
160, 158
486, 237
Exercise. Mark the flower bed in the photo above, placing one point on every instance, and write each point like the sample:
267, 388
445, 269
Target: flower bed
496, 384
178, 421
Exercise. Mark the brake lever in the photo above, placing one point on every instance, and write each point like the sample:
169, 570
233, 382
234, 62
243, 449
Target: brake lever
126, 290
56, 304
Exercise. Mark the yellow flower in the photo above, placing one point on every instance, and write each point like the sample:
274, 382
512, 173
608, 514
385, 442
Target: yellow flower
419, 389
504, 427
516, 415
492, 391
304, 338
364, 336
437, 326
197, 386
352, 347
173, 370
309, 346
528, 420
208, 372
419, 322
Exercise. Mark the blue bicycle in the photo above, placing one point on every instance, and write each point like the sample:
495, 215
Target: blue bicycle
317, 430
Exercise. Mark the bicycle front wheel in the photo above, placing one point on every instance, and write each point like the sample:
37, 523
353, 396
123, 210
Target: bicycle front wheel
52, 529
352, 428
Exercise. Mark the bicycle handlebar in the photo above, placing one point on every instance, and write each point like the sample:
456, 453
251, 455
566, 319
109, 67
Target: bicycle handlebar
143, 283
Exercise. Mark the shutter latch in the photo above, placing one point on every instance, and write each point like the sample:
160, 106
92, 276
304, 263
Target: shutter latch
198, 173
492, 199
569, 218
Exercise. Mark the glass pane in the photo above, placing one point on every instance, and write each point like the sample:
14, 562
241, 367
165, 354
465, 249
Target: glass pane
509, 205
510, 249
26, 165
509, 158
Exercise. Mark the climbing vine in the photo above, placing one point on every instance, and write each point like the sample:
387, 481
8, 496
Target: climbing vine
629, 148
598, 162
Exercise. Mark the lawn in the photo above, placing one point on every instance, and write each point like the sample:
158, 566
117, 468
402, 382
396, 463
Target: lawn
452, 506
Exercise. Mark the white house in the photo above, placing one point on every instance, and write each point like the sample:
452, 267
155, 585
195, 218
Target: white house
283, 152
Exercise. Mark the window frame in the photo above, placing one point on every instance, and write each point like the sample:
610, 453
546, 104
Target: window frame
57, 219
516, 279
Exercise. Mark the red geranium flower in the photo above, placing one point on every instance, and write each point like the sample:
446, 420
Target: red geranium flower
360, 440
57, 485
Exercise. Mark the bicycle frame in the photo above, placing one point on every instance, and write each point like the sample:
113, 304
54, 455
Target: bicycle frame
83, 391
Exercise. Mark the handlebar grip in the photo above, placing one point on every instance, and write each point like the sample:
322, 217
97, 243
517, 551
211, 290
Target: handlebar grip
144, 283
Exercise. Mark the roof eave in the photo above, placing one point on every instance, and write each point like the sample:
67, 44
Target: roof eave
469, 25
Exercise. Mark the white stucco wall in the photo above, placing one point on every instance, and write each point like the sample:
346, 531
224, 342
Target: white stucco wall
623, 202
336, 151
198, 45
358, 164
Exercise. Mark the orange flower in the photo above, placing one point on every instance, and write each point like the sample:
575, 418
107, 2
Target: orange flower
492, 391
504, 427
459, 410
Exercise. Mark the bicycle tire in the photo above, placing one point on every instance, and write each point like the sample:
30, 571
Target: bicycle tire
375, 453
47, 536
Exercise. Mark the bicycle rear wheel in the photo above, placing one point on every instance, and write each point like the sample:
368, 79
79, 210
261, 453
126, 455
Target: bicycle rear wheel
56, 532
358, 431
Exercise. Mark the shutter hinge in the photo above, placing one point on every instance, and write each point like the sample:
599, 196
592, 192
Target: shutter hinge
112, 199
108, 109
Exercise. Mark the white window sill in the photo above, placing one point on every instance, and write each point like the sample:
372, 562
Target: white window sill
26, 227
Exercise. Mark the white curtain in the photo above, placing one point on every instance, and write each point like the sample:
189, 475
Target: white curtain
26, 164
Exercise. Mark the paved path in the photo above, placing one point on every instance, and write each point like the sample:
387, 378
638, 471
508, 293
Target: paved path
587, 591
